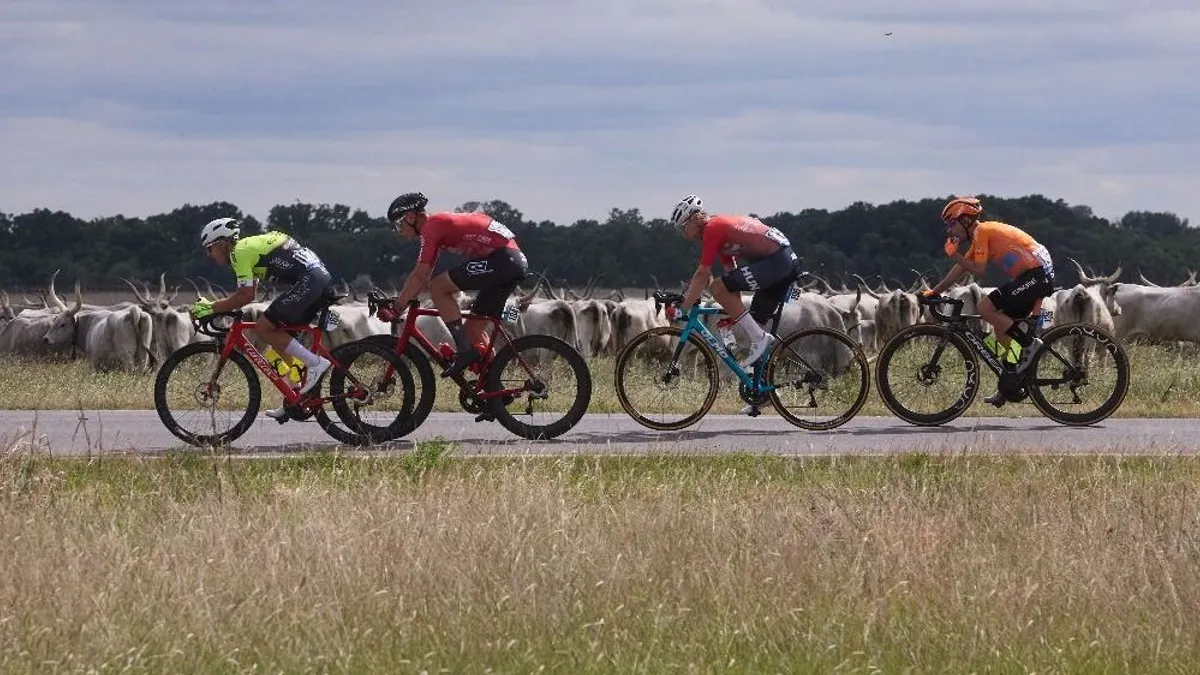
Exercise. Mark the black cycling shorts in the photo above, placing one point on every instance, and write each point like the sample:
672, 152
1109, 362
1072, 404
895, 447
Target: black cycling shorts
769, 278
1016, 298
495, 276
303, 301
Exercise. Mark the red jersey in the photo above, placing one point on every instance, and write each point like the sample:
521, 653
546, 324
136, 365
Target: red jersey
741, 236
473, 235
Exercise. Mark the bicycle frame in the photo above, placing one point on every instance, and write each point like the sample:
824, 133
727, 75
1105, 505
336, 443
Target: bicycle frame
410, 331
956, 322
235, 340
694, 325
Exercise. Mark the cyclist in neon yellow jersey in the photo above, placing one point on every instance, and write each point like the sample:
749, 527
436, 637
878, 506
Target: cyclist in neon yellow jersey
273, 256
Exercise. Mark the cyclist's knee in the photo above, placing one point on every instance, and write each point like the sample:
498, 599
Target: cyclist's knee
264, 324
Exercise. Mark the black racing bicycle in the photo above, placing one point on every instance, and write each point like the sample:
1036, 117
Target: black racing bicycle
928, 374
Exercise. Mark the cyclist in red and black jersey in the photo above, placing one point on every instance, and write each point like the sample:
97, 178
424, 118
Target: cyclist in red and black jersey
494, 267
768, 267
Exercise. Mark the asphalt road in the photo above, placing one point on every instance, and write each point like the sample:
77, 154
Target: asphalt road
70, 432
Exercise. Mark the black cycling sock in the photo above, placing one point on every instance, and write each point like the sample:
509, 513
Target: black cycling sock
459, 334
1015, 332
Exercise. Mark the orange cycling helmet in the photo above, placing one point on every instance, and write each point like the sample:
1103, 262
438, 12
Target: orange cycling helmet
962, 206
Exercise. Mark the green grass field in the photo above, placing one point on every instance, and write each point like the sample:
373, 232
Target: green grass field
1166, 383
737, 564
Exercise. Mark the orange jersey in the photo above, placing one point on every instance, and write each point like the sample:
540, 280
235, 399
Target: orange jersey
1009, 248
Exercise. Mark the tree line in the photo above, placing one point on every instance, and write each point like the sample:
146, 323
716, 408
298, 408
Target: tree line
885, 241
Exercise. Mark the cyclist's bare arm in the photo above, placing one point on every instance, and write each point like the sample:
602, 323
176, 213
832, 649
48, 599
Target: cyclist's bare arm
957, 272
417, 280
243, 296
700, 281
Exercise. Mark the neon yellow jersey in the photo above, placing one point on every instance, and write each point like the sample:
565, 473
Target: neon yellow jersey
273, 255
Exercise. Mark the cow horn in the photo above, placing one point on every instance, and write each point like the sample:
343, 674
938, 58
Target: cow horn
1146, 281
57, 302
857, 298
194, 286
4, 299
862, 285
1191, 280
141, 299
162, 288
78, 297
1112, 278
1083, 277
657, 286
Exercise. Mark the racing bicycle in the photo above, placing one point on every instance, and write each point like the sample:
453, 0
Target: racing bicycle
207, 394
536, 386
928, 374
667, 377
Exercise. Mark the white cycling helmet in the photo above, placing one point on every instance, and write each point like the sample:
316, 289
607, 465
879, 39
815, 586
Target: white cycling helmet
221, 228
686, 208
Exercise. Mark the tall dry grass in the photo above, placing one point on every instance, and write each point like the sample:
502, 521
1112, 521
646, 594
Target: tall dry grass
430, 564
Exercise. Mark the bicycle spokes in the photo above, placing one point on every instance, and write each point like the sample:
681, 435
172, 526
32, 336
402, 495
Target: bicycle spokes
819, 379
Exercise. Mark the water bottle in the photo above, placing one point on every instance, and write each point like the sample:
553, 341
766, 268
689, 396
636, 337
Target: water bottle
286, 366
1011, 354
728, 338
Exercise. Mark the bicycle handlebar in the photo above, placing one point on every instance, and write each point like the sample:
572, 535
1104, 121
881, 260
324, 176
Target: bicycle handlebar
208, 325
935, 301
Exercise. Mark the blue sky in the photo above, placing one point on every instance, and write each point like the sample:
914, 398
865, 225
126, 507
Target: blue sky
567, 108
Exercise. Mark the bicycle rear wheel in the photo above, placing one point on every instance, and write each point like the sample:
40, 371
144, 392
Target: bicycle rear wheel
663, 387
927, 375
1080, 376
200, 406
820, 377
551, 387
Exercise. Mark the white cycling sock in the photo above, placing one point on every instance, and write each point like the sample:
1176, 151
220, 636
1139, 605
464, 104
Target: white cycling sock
753, 330
294, 348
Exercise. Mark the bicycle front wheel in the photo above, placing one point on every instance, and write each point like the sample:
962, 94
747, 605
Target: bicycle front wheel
927, 375
819, 378
663, 387
1080, 376
373, 394
201, 406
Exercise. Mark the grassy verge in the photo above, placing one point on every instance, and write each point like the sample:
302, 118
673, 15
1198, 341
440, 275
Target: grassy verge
1166, 383
738, 564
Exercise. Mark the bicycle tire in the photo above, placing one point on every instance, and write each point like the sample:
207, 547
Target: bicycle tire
163, 406
858, 360
1110, 344
627, 358
970, 386
574, 413
360, 431
419, 362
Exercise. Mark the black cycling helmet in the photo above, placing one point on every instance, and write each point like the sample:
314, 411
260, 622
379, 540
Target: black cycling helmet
411, 201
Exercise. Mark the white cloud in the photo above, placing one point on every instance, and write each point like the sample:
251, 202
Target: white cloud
566, 108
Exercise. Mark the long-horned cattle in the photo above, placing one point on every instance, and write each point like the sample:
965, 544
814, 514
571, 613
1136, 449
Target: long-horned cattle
110, 339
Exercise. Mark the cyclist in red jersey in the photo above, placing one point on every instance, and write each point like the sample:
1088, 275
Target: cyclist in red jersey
768, 267
495, 267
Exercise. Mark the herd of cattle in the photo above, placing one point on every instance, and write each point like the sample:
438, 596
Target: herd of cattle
139, 334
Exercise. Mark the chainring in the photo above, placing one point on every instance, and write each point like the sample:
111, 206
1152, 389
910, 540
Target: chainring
1011, 387
751, 398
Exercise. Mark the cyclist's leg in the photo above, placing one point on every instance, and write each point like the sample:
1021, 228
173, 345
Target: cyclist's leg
299, 305
1013, 301
494, 278
768, 278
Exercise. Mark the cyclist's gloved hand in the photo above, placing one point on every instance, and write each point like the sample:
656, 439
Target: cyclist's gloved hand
928, 293
202, 308
672, 312
951, 247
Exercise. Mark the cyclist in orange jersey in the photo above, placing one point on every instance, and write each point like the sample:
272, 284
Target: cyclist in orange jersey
1026, 263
